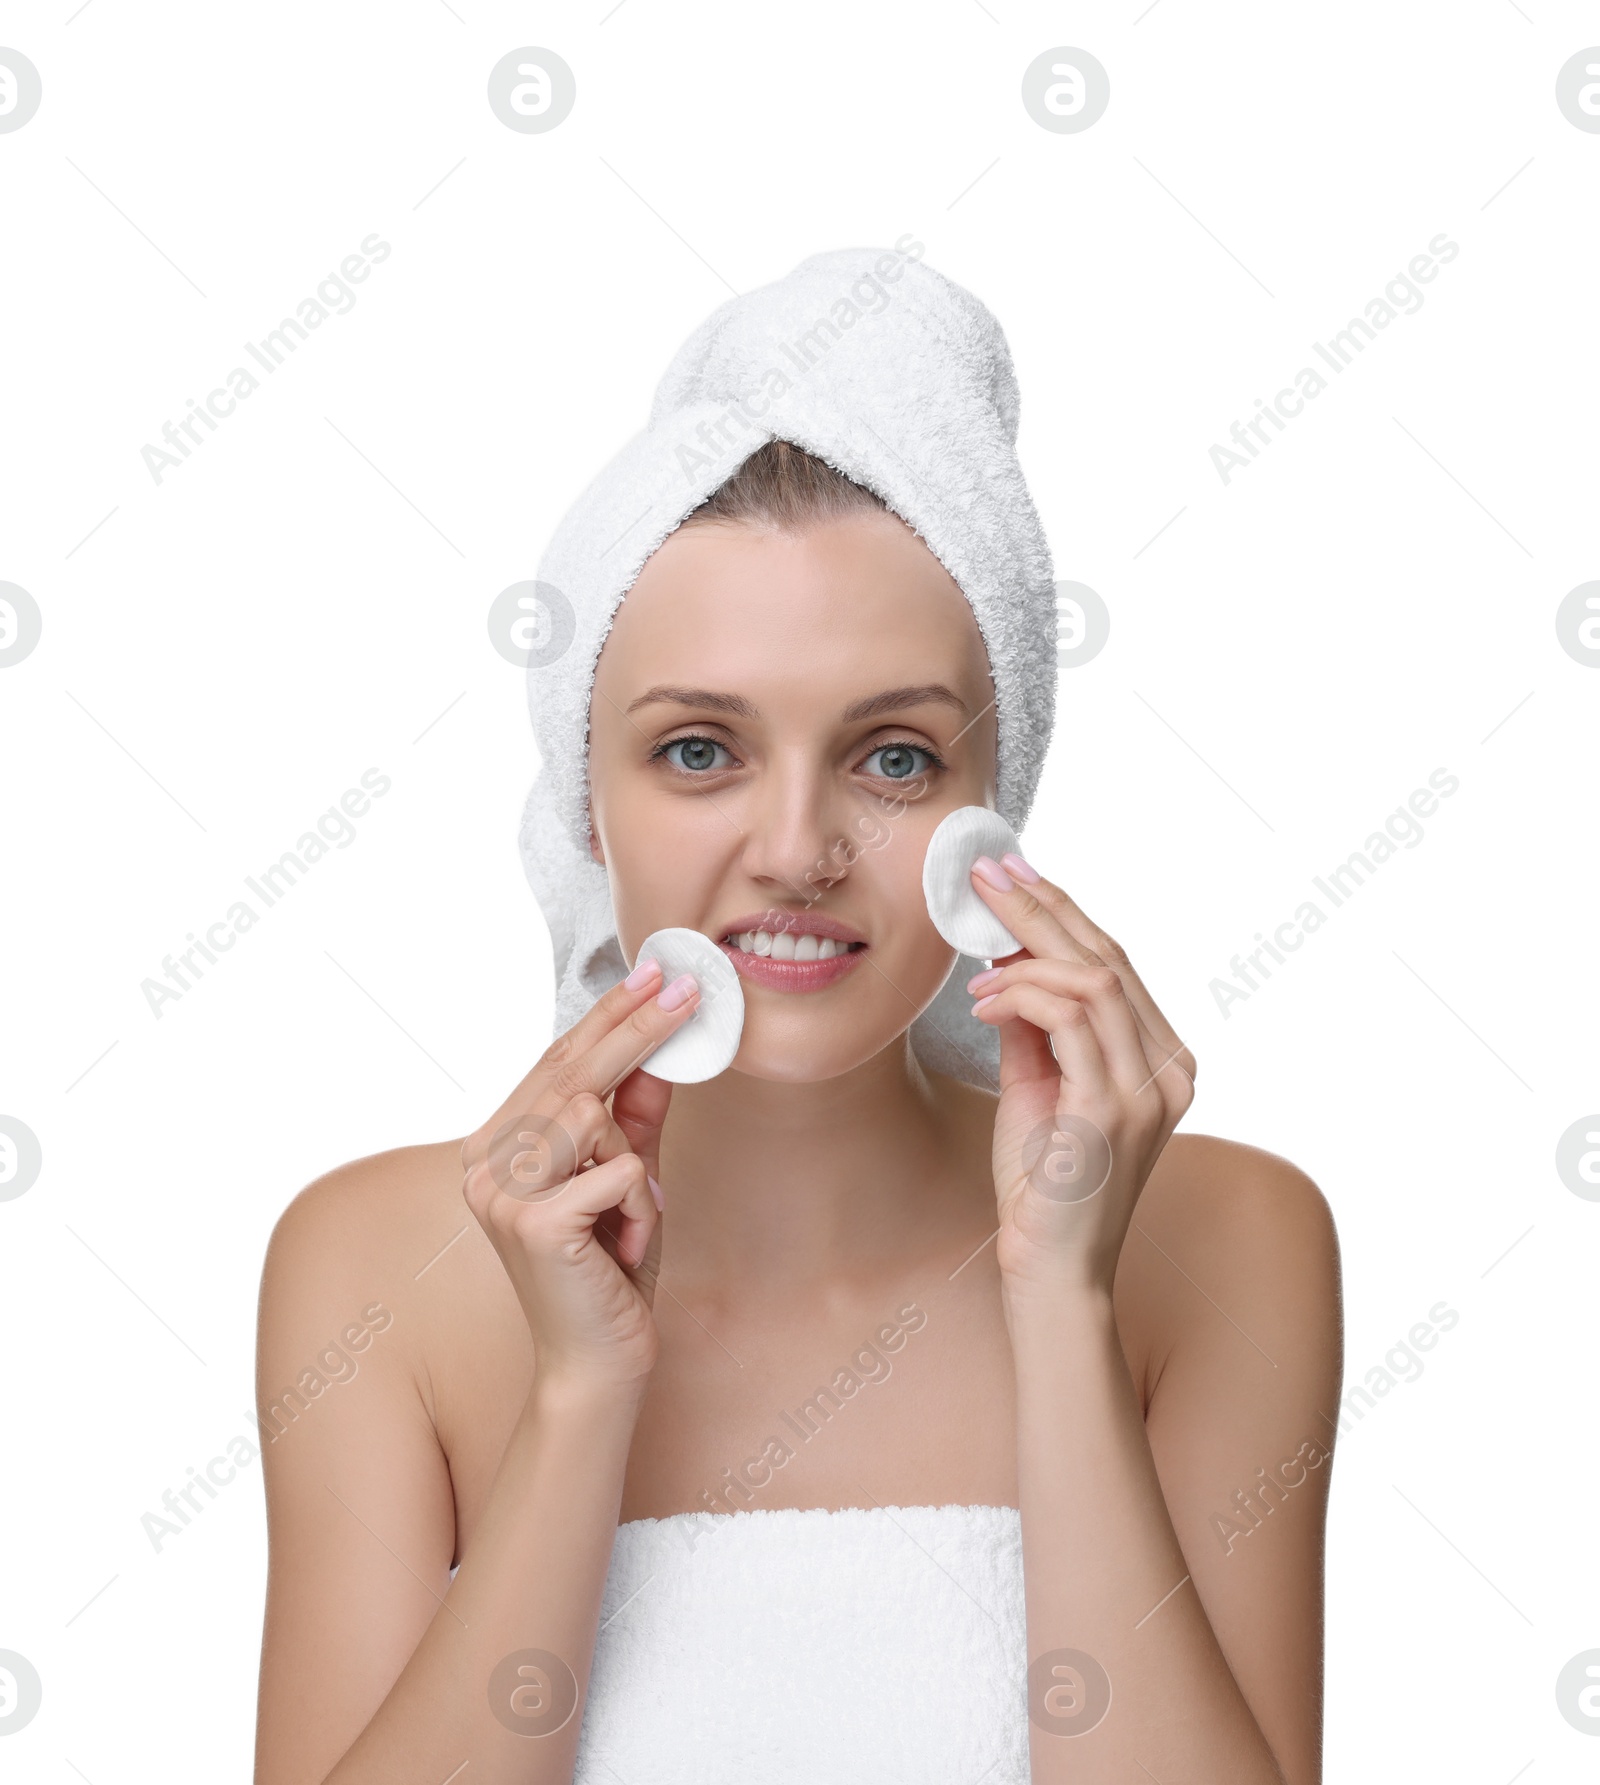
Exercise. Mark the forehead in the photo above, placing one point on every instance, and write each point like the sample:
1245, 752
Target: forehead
856, 600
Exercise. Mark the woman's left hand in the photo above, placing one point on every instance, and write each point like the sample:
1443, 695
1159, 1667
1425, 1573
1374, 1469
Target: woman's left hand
1077, 1131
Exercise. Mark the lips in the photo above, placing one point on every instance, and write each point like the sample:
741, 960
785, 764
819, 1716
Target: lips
750, 943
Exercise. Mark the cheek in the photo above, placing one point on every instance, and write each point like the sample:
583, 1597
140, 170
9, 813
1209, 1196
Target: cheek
660, 867
908, 945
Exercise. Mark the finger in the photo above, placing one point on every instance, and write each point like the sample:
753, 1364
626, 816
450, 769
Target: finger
630, 1228
532, 1156
621, 1049
1100, 989
1066, 1021
640, 1107
616, 1182
634, 1242
565, 1216
620, 1001
625, 1026
631, 1234
609, 1204
1025, 1056
606, 1012
1033, 924
1166, 1042
1051, 925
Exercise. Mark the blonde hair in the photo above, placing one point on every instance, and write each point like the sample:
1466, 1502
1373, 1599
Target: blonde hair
783, 485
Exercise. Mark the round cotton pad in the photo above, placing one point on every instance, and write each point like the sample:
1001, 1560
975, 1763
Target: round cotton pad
706, 1044
958, 914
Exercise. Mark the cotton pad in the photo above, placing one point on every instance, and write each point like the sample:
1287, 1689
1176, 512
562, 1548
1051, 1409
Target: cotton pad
958, 913
706, 1044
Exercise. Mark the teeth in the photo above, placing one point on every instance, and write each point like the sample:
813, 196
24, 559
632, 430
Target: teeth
785, 945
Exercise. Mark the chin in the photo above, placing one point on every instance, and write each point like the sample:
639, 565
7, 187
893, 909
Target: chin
808, 1059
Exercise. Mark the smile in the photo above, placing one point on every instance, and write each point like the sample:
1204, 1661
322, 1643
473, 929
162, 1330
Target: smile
793, 954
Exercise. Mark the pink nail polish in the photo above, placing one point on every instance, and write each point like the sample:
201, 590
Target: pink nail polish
655, 1191
641, 976
988, 869
983, 1001
678, 993
1028, 876
982, 979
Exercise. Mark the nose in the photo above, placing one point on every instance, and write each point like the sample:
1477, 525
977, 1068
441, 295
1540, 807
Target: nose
800, 838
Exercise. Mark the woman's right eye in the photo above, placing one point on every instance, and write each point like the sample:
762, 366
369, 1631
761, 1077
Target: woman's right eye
698, 754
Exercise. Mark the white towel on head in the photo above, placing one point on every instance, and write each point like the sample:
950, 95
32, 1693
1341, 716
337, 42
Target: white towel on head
899, 379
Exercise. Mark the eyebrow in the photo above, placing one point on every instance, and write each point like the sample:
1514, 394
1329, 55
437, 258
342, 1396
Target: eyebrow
891, 700
694, 697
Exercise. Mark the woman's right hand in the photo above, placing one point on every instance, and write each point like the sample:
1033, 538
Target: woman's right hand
560, 1184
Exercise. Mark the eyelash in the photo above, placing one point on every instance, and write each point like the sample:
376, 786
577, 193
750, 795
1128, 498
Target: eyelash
934, 758
660, 753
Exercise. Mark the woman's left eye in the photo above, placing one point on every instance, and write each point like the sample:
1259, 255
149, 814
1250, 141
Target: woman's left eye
901, 761
699, 754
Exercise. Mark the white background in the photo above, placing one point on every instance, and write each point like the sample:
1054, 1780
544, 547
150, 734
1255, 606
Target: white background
224, 653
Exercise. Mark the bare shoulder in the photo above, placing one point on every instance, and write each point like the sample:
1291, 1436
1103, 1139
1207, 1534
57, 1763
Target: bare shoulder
349, 1377
1230, 1236
1203, 1184
370, 1213
368, 1234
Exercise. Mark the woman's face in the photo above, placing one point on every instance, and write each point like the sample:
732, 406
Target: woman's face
779, 721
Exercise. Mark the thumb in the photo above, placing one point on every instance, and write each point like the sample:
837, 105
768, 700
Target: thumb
1025, 1053
639, 1107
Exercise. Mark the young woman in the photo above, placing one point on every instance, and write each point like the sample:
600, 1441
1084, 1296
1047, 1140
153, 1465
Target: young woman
795, 1424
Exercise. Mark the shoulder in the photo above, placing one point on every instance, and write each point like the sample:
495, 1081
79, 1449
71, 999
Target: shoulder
363, 1210
1235, 1194
355, 1474
358, 1238
1231, 1236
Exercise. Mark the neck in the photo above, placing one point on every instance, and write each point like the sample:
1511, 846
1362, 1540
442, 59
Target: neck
776, 1185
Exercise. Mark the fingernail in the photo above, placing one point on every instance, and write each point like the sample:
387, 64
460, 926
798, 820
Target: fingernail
979, 979
982, 1001
986, 868
655, 1191
678, 993
641, 976
1028, 876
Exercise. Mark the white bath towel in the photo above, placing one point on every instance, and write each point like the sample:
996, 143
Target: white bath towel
863, 1647
898, 378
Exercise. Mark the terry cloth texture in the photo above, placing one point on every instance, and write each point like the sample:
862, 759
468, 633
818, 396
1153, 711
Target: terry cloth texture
899, 379
862, 1647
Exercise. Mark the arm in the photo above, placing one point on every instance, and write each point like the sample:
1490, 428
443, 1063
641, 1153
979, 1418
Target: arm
376, 1666
1145, 1650
1183, 1549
